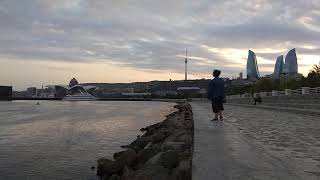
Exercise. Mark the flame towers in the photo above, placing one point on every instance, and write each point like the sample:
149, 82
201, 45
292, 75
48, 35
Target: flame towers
252, 67
278, 68
289, 68
291, 64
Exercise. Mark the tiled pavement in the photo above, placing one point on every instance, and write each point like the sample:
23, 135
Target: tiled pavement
255, 144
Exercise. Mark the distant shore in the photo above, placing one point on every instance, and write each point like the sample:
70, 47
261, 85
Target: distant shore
164, 151
101, 99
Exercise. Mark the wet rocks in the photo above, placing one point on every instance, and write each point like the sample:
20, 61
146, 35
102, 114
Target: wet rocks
128, 157
168, 159
158, 138
105, 167
145, 154
182, 172
164, 151
152, 172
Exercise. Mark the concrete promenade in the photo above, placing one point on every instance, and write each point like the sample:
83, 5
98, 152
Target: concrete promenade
255, 144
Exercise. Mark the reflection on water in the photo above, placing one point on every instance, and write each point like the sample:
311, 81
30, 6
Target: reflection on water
62, 140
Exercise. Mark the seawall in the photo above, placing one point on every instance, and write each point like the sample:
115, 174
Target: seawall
164, 151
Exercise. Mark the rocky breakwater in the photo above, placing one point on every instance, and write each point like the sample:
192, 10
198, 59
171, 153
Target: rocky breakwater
163, 152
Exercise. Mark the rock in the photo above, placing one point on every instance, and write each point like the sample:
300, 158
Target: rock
150, 132
156, 147
158, 138
184, 138
127, 157
153, 172
117, 154
185, 155
92, 167
183, 171
177, 146
166, 131
105, 167
174, 136
126, 173
114, 177
140, 143
155, 160
148, 145
145, 154
168, 159
118, 166
188, 124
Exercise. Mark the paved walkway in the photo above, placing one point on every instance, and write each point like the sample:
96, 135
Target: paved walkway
255, 144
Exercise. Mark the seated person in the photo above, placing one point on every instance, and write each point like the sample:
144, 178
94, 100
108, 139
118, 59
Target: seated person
257, 99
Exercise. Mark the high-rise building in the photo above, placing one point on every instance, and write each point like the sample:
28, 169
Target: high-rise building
289, 68
291, 64
278, 68
252, 67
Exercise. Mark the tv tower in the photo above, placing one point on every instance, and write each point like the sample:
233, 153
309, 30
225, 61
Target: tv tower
186, 66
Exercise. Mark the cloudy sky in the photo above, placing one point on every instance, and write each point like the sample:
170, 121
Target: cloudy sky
51, 41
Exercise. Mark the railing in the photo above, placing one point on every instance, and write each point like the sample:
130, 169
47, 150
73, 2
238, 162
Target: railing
314, 90
286, 92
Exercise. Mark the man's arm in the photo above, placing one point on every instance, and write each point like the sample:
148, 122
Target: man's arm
210, 89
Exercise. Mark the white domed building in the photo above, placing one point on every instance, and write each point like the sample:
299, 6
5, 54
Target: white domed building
74, 91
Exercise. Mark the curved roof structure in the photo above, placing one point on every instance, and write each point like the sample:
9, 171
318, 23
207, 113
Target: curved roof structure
73, 87
291, 63
252, 66
278, 68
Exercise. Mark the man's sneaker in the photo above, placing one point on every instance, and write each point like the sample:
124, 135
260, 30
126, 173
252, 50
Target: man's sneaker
214, 119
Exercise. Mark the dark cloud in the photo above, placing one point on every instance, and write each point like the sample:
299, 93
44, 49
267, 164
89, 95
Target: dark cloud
153, 35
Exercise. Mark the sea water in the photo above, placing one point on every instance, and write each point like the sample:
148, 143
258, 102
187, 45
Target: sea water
62, 140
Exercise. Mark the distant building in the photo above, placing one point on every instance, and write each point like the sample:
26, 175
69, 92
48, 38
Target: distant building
252, 66
31, 91
291, 64
74, 87
187, 91
278, 68
240, 75
73, 82
5, 93
287, 69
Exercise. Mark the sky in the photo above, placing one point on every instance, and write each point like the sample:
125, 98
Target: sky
45, 42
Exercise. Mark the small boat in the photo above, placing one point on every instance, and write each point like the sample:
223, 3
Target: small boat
83, 96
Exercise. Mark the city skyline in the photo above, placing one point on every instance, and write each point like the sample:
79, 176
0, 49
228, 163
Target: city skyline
49, 42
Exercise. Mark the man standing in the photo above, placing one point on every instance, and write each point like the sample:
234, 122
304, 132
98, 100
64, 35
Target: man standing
216, 94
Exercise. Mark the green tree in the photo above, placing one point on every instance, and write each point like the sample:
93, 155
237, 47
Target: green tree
313, 79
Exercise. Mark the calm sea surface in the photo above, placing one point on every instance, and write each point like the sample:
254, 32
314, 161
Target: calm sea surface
62, 140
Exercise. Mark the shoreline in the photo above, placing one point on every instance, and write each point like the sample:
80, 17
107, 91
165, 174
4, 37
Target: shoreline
164, 151
99, 99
